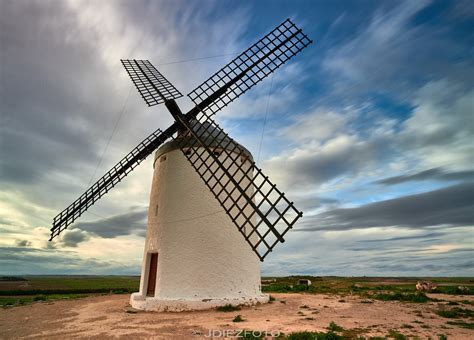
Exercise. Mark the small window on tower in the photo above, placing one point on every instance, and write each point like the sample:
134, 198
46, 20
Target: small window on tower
163, 158
217, 153
188, 152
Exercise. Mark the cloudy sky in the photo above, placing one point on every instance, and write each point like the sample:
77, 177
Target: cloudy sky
369, 130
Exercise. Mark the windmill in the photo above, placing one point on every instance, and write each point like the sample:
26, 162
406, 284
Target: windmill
213, 214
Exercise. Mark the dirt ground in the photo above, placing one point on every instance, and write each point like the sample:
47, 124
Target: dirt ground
110, 316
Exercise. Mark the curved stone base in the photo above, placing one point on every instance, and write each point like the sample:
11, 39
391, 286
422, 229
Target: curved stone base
161, 305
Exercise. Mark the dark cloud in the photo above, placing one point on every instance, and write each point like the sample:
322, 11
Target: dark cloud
343, 156
72, 238
424, 266
407, 238
133, 222
438, 174
452, 206
23, 243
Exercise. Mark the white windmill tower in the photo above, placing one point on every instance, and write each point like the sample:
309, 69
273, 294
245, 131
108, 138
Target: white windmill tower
213, 214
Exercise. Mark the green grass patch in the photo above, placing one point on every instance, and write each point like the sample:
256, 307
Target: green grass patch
313, 336
455, 313
393, 334
399, 296
453, 290
228, 308
461, 323
47, 285
7, 301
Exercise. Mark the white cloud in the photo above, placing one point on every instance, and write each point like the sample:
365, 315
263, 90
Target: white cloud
441, 128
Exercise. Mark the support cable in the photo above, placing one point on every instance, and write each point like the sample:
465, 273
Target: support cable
265, 119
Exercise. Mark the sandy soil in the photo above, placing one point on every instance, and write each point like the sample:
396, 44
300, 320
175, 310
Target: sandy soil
110, 316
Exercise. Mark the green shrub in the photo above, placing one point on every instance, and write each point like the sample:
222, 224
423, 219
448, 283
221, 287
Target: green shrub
228, 308
396, 335
461, 323
238, 318
335, 327
40, 298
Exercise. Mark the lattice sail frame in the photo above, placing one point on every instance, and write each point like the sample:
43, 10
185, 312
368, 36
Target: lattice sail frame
251, 66
108, 181
259, 210
273, 215
153, 86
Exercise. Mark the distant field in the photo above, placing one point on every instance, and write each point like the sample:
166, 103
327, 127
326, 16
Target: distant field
29, 289
382, 288
83, 284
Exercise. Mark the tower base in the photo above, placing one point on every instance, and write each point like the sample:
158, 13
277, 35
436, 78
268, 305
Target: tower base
141, 302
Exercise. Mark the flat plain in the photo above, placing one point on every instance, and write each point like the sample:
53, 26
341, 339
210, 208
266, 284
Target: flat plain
331, 308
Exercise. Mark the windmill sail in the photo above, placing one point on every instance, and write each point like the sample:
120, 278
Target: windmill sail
260, 211
109, 180
152, 85
250, 67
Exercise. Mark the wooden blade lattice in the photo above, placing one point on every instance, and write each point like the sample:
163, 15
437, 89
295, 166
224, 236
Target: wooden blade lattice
260, 211
250, 67
152, 85
108, 181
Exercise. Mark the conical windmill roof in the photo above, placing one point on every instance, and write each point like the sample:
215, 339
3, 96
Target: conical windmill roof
213, 137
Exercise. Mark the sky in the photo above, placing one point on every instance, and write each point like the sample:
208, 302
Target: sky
369, 130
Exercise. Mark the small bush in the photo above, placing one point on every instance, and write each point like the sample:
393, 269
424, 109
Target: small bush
334, 327
238, 318
228, 308
40, 298
396, 335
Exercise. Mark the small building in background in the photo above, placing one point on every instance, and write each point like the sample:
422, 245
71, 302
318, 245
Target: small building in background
304, 282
